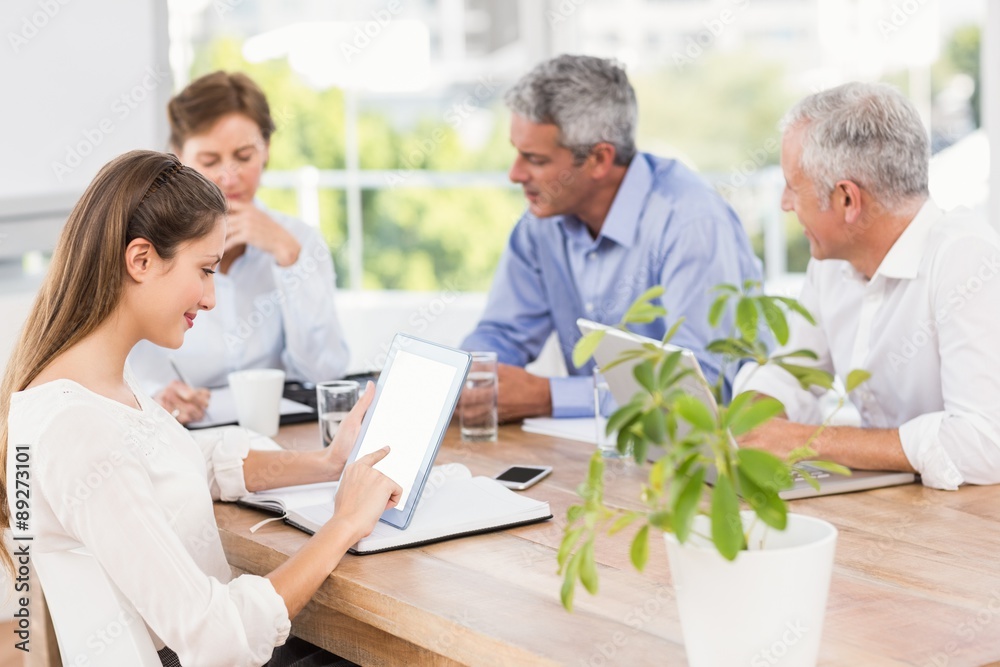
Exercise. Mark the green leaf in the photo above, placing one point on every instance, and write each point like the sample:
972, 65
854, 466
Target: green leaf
794, 305
661, 520
672, 331
830, 467
807, 476
769, 507
736, 406
807, 375
622, 522
570, 538
653, 292
669, 364
584, 348
717, 309
693, 411
727, 288
644, 375
807, 354
757, 413
623, 358
574, 513
687, 504
624, 415
653, 426
775, 319
639, 448
727, 529
658, 474
855, 378
588, 569
765, 469
747, 318
730, 348
644, 313
569, 580
640, 548
595, 474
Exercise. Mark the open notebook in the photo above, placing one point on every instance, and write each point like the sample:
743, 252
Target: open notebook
453, 504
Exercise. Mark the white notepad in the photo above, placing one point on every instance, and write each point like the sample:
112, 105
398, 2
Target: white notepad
453, 504
583, 429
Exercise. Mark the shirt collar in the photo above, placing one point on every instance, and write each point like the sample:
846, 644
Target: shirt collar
903, 259
622, 221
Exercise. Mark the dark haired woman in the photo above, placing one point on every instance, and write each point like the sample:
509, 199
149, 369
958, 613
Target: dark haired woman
276, 287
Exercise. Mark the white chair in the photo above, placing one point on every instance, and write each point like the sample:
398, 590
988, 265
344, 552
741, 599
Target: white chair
94, 624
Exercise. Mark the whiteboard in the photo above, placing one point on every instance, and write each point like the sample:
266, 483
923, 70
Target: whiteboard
83, 81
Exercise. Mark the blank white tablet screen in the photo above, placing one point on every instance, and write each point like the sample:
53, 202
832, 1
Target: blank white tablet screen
408, 409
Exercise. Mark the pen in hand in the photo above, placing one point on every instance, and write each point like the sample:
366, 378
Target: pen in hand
182, 378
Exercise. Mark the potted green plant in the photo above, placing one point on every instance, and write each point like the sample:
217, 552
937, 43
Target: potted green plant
742, 566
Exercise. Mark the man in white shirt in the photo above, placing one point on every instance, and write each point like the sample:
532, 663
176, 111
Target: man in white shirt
897, 287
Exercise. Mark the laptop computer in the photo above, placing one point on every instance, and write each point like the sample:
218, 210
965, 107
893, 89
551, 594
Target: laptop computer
623, 386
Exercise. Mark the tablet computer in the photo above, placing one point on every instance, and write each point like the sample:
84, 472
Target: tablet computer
415, 397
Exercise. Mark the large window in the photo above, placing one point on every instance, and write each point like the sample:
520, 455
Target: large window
393, 137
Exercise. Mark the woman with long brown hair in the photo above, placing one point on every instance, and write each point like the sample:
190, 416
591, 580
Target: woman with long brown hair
115, 479
276, 283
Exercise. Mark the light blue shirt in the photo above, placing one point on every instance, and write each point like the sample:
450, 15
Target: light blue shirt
265, 316
666, 226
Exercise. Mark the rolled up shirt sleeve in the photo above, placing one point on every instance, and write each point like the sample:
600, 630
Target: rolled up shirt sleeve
123, 525
224, 450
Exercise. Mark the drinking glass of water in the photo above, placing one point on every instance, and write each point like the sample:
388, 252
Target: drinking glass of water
478, 406
333, 401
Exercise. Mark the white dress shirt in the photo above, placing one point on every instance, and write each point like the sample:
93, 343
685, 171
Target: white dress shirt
925, 327
133, 489
265, 316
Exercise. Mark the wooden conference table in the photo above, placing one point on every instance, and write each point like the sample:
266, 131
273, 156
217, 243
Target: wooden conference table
916, 579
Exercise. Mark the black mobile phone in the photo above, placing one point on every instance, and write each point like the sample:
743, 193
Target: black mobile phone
521, 477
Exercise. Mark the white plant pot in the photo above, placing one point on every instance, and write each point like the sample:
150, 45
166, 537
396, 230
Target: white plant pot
763, 609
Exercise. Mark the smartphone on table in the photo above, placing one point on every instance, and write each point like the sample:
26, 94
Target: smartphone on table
522, 477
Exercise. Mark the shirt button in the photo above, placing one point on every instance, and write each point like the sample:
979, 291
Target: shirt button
590, 307
591, 255
872, 298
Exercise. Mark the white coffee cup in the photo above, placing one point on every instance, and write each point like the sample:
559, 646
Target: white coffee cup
257, 395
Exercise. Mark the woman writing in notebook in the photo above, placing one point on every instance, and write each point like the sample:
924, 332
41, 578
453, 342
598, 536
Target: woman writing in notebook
135, 262
276, 285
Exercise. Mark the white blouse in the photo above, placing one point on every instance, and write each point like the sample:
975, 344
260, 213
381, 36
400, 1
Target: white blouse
265, 316
135, 490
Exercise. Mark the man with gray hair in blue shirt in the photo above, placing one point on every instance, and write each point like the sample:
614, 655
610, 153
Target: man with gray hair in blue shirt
604, 223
